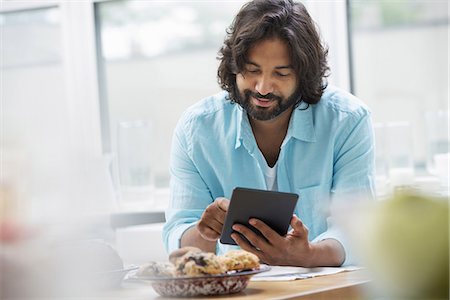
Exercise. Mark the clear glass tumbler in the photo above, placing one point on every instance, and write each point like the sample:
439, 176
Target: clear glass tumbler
135, 156
437, 138
399, 149
381, 164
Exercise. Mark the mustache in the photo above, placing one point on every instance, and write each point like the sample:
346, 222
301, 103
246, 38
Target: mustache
269, 96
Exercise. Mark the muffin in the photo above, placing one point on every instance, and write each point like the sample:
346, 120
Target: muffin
199, 264
175, 255
238, 260
157, 269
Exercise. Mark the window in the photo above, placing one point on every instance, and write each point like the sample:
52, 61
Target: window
49, 129
400, 61
32, 76
33, 127
32, 80
159, 58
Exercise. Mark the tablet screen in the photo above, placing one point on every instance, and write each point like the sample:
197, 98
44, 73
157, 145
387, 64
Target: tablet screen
273, 208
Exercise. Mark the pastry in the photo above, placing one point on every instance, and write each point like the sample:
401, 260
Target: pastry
198, 264
157, 269
238, 260
175, 255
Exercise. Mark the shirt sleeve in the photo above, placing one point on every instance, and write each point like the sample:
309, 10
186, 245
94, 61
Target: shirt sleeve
353, 173
189, 194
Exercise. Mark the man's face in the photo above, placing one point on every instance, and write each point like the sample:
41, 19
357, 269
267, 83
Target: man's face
267, 85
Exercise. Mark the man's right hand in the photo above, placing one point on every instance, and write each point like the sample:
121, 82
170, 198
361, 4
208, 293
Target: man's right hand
211, 222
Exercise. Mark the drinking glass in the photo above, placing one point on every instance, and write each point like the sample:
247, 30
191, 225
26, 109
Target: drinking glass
399, 150
135, 159
381, 167
437, 138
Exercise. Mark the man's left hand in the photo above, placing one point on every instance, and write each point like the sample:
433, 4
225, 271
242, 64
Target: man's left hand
293, 249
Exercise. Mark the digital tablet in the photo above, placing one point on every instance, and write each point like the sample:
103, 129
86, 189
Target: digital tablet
273, 208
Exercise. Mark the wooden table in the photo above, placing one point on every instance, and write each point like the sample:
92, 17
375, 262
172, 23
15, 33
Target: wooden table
345, 286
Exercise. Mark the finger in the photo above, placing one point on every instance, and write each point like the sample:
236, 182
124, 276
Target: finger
219, 209
216, 225
208, 233
212, 224
223, 203
220, 215
271, 235
214, 212
298, 227
245, 245
256, 240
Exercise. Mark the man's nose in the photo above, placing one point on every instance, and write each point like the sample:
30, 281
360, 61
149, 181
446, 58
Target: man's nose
264, 85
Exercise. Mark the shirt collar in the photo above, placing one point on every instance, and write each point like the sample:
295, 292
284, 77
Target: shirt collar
244, 134
301, 125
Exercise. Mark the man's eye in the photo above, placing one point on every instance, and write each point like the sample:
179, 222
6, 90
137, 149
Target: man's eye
282, 74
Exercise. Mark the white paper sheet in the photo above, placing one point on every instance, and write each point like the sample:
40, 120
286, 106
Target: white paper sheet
278, 273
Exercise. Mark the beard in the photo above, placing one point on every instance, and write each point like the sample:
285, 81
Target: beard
266, 113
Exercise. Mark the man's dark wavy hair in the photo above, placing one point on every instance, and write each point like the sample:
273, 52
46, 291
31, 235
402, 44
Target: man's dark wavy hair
285, 19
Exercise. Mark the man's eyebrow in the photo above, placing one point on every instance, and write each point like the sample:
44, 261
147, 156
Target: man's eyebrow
277, 67
252, 63
284, 67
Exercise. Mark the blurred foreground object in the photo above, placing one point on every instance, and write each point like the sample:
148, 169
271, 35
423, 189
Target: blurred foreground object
43, 269
54, 221
404, 242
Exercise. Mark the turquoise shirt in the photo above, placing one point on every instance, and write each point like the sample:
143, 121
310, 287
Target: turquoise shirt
328, 153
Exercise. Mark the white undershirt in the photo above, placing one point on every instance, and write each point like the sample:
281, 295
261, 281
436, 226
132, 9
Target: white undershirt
270, 175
